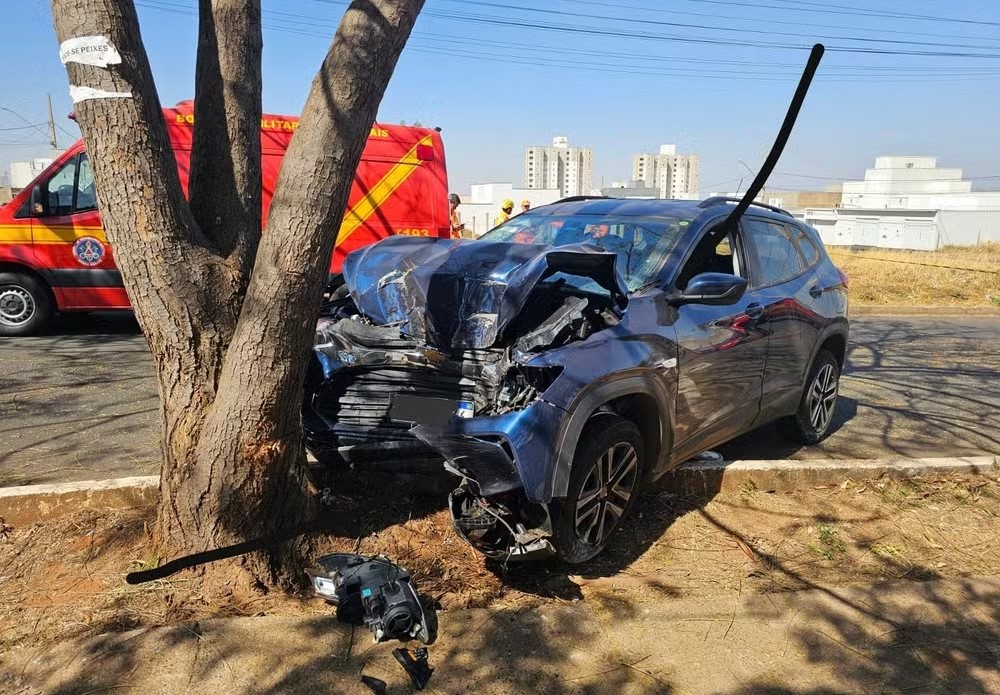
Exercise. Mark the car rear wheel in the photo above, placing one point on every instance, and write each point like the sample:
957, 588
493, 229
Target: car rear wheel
814, 418
25, 304
604, 485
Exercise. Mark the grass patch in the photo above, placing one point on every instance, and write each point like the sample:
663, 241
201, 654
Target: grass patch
893, 492
888, 551
748, 491
951, 276
829, 543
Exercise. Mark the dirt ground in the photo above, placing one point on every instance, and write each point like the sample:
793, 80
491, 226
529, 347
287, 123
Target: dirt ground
66, 578
951, 276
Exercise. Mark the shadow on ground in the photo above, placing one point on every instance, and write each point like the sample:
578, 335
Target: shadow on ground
919, 387
912, 637
81, 404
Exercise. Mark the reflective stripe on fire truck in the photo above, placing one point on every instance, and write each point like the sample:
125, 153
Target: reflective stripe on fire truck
56, 234
356, 216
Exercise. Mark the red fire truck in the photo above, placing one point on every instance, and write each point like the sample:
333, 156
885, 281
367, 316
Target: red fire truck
54, 255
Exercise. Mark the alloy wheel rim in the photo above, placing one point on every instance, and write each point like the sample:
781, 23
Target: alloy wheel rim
16, 306
823, 398
606, 492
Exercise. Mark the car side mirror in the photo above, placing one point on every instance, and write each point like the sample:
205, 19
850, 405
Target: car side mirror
711, 288
37, 200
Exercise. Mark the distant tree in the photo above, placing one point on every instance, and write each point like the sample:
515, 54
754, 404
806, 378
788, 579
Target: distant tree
229, 313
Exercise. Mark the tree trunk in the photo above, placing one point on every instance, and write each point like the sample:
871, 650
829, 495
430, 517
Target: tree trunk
225, 183
230, 352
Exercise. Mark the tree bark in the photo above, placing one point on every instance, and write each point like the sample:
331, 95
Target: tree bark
225, 183
230, 383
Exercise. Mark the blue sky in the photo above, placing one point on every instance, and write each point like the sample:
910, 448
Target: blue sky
620, 77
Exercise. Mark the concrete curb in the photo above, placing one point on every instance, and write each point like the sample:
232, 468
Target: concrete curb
709, 477
961, 311
20, 506
27, 504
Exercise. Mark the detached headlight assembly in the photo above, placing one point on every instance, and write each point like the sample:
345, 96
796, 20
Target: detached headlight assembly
376, 592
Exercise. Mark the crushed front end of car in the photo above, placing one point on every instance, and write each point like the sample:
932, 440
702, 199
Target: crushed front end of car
442, 352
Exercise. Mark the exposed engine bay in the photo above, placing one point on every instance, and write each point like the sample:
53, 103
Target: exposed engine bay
394, 371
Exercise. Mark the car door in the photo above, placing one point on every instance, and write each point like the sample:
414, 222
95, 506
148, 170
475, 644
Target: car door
720, 357
781, 285
68, 236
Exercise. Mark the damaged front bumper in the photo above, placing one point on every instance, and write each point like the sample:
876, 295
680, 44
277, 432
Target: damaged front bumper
506, 464
499, 528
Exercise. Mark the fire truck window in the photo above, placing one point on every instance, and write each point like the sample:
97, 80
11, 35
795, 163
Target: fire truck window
59, 190
86, 197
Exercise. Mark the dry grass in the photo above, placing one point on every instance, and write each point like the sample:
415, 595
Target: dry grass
66, 578
952, 276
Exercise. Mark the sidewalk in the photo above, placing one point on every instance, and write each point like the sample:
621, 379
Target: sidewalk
939, 636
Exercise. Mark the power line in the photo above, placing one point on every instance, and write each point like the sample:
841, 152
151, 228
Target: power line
23, 127
676, 71
885, 13
685, 25
294, 17
844, 10
741, 18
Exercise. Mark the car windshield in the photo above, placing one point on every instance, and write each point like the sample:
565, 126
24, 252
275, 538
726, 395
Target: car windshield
642, 244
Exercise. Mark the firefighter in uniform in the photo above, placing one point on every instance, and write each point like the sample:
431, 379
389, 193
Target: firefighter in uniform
506, 207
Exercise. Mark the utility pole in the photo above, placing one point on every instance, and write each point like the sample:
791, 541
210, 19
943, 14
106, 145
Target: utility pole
53, 140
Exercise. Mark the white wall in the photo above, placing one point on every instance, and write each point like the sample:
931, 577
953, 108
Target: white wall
23, 173
482, 204
968, 227
920, 230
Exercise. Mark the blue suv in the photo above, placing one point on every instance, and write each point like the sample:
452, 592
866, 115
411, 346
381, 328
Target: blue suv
573, 354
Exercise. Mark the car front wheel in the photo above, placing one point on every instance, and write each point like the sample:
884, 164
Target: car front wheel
812, 423
603, 488
25, 305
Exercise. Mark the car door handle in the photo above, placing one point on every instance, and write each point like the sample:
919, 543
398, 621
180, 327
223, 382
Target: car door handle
815, 291
754, 311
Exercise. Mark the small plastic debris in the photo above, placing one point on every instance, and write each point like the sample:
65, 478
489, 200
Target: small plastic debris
415, 664
376, 685
326, 497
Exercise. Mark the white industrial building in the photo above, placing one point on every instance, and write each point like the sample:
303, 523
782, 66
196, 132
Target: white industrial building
675, 176
23, 173
568, 169
909, 203
481, 205
915, 183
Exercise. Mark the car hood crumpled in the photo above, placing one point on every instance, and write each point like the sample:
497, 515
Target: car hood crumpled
455, 293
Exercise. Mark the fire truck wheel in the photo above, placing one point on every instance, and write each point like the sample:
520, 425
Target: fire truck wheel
25, 304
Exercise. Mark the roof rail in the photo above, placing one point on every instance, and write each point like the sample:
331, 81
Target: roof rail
720, 199
574, 198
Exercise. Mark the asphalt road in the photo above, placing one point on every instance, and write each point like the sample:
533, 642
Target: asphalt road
81, 404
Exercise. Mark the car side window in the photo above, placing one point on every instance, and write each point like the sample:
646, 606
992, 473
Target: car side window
59, 190
712, 255
777, 256
806, 246
86, 196
71, 189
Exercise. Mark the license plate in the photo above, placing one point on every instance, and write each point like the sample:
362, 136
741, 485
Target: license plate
422, 410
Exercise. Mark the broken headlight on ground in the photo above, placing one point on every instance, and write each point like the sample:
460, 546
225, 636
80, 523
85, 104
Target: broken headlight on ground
376, 592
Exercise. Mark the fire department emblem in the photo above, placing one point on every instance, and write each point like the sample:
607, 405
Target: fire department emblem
88, 250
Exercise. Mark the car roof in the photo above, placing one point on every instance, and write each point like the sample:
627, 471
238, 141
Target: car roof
652, 208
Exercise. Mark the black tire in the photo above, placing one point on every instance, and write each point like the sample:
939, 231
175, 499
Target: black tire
814, 418
25, 304
578, 537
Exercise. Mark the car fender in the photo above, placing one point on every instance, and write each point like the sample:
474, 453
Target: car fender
590, 400
838, 326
